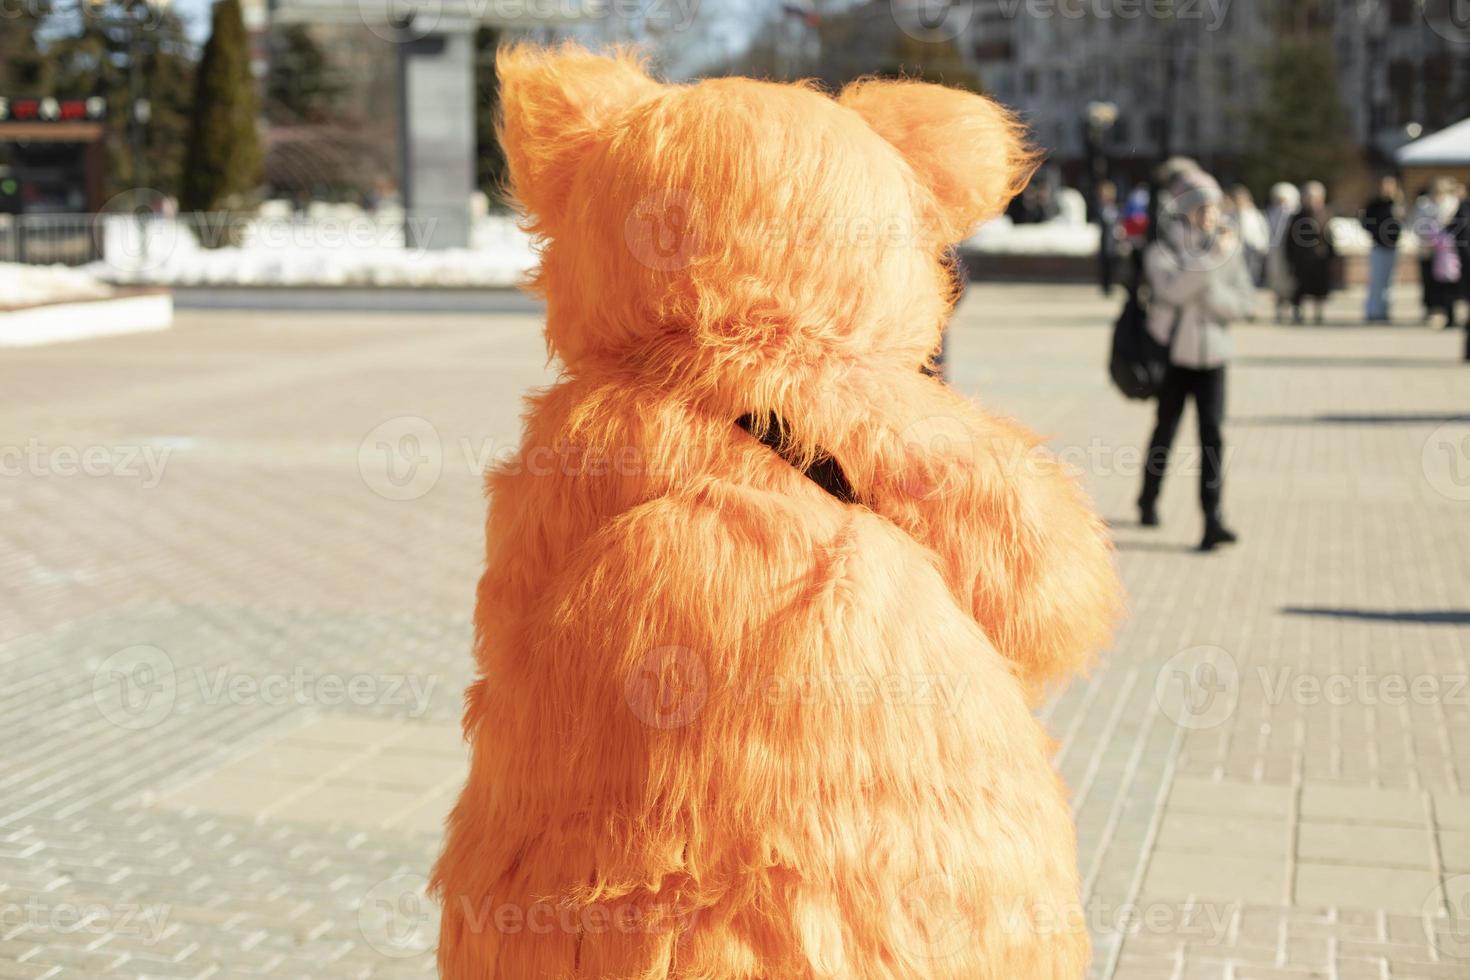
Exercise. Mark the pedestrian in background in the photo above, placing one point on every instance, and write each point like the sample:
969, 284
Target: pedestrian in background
1109, 230
1383, 218
1311, 252
1459, 231
1200, 284
1440, 268
1133, 233
1286, 201
1254, 231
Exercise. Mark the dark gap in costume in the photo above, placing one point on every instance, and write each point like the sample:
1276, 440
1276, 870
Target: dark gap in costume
824, 471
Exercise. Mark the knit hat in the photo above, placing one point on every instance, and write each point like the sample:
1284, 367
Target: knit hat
1191, 189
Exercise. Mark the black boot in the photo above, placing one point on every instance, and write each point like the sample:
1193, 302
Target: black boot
1148, 515
1216, 533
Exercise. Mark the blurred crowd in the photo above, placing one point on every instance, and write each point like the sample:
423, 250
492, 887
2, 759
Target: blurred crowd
1194, 256
1292, 250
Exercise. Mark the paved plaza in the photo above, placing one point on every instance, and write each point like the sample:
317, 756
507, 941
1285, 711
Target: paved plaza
238, 561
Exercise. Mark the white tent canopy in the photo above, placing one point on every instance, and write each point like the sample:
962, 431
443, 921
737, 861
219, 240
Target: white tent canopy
1450, 147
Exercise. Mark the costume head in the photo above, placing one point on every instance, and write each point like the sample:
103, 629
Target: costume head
737, 211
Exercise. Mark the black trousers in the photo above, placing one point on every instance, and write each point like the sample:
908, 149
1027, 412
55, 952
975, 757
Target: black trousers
1107, 268
1208, 390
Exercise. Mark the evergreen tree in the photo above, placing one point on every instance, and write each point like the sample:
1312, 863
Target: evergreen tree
24, 66
937, 61
1300, 130
300, 87
96, 56
222, 164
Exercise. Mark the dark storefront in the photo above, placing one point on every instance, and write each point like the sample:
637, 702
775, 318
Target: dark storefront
52, 164
51, 155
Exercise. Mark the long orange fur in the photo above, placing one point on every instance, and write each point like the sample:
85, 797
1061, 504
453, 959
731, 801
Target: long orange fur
727, 726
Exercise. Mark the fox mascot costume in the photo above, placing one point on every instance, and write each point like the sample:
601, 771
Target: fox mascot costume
765, 610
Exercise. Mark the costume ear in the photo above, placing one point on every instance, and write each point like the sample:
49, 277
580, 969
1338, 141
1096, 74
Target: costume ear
554, 101
969, 151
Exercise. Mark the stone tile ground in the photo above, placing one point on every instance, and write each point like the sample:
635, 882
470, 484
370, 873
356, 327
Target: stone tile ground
237, 562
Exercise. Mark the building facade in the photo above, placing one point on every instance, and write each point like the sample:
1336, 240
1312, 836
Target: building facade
1186, 75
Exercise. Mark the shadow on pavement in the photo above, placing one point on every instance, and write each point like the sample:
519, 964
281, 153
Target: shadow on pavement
1164, 547
1312, 360
1407, 419
1431, 617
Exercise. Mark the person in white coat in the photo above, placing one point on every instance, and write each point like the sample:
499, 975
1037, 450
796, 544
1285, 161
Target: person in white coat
1199, 284
1286, 201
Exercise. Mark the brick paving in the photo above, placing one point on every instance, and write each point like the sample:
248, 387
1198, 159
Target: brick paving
237, 563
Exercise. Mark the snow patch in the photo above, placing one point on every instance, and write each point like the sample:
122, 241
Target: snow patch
35, 285
324, 249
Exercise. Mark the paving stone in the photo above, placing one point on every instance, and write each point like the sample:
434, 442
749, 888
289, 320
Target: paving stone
1221, 877
1363, 886
263, 563
1452, 810
1395, 847
1363, 804
1187, 831
1455, 846
1231, 798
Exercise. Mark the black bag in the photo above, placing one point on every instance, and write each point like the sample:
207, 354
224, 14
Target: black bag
1138, 361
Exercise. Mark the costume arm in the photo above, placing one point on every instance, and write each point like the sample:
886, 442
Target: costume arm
1019, 542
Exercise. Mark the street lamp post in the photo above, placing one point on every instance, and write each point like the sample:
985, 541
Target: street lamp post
1100, 117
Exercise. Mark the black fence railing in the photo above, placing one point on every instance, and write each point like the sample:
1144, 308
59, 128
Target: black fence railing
49, 239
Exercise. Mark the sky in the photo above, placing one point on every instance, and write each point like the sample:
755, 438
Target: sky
196, 15
717, 27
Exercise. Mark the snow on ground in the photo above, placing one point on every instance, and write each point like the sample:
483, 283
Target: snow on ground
42, 304
33, 285
346, 246
1059, 237
1062, 237
342, 249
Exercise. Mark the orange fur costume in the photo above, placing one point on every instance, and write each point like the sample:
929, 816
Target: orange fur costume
728, 725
